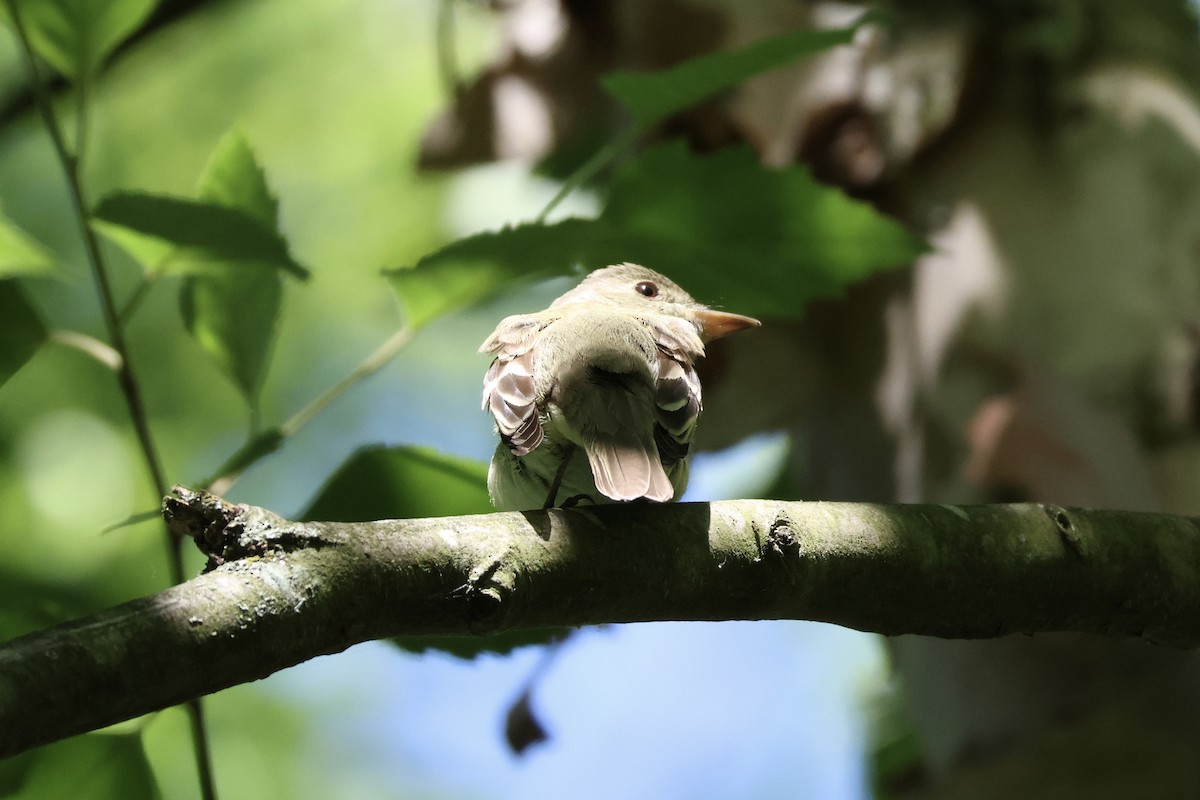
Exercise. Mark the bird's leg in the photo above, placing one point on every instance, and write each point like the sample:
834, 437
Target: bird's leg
558, 476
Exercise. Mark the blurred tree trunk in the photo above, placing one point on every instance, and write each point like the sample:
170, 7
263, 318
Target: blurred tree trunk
1045, 350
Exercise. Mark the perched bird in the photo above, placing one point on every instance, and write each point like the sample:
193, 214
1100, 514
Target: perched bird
597, 397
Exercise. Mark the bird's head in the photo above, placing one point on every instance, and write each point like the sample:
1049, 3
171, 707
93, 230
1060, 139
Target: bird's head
639, 288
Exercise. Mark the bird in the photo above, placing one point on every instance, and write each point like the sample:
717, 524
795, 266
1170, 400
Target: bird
596, 398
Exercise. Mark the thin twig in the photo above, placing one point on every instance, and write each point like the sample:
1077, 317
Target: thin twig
266, 442
368, 367
70, 167
137, 296
90, 345
82, 95
603, 158
125, 376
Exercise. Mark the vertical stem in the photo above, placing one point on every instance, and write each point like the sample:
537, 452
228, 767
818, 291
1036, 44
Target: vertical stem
125, 375
267, 442
135, 299
70, 166
83, 91
589, 169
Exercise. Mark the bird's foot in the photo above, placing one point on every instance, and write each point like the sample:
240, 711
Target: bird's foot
558, 476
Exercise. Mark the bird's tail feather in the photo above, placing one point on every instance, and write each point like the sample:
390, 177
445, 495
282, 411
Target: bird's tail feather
627, 471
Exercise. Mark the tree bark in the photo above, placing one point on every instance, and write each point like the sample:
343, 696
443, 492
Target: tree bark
281, 592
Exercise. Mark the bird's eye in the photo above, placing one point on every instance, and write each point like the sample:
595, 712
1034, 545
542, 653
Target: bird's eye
647, 289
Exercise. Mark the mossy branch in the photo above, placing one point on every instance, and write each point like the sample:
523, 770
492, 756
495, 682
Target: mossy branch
279, 592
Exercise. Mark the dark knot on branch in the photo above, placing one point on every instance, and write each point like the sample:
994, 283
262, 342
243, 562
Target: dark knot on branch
226, 531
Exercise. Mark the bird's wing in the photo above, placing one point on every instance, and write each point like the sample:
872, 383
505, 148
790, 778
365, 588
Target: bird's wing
508, 387
677, 402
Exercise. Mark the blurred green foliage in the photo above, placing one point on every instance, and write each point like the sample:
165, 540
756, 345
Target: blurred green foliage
401, 483
332, 95
24, 331
77, 36
20, 254
696, 219
96, 765
68, 463
652, 97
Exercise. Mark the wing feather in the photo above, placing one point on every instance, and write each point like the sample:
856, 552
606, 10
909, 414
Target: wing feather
677, 400
509, 389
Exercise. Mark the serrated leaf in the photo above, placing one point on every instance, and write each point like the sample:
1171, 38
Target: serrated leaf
234, 179
472, 269
21, 329
401, 483
76, 36
232, 310
93, 766
653, 96
408, 482
21, 254
756, 240
203, 232
730, 231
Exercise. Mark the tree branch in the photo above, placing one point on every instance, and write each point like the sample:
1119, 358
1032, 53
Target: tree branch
281, 592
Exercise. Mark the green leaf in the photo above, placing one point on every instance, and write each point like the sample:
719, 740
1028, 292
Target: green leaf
228, 245
13, 771
76, 36
232, 310
407, 482
234, 179
730, 231
401, 483
21, 329
233, 314
653, 96
469, 647
203, 232
21, 254
472, 269
259, 446
154, 254
755, 240
28, 604
96, 766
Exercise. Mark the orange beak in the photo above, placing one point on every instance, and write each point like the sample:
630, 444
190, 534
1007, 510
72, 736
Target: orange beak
715, 324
